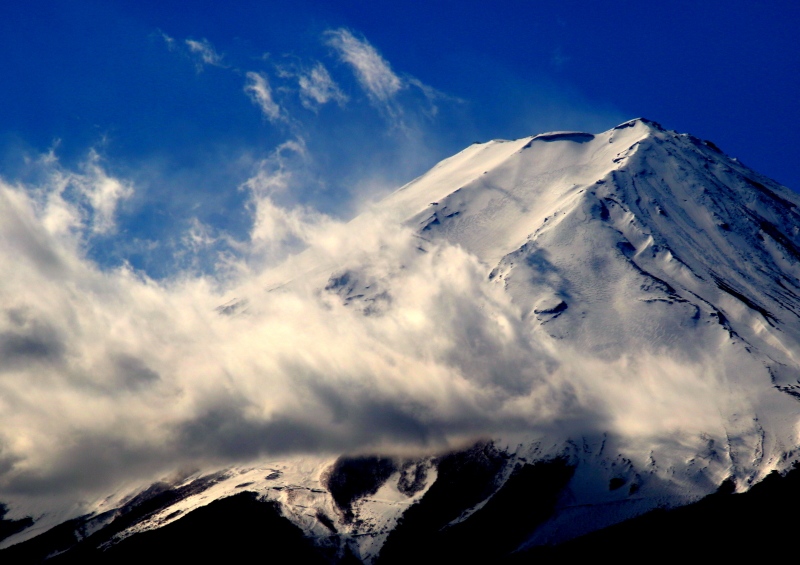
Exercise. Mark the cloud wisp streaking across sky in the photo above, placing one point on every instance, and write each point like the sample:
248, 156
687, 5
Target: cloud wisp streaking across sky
373, 71
354, 151
376, 77
190, 139
317, 87
260, 92
205, 51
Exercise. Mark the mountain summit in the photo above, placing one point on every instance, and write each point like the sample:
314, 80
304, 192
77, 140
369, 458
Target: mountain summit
643, 297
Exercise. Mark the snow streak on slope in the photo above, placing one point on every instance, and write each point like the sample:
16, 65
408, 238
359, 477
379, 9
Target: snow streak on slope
626, 302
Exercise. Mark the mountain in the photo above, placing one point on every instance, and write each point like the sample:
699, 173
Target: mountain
648, 359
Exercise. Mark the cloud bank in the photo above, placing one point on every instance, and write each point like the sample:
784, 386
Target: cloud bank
107, 376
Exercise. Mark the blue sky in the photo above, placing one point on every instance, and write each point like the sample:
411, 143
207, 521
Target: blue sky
187, 102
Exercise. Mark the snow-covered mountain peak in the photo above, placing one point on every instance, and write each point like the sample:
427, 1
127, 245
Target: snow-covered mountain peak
636, 242
619, 311
490, 197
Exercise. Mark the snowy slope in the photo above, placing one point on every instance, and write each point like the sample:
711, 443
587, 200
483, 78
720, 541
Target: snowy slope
662, 276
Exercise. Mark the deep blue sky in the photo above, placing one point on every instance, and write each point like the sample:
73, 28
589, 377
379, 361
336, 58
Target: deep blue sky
82, 75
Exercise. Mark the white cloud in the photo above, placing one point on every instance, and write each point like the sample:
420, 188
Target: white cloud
79, 203
108, 375
205, 51
372, 71
258, 88
278, 231
317, 87
170, 41
383, 86
103, 193
432, 96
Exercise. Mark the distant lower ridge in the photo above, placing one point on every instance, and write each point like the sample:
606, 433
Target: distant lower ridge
243, 527
239, 527
722, 525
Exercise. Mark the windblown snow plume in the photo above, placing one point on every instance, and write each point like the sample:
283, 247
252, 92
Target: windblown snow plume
635, 285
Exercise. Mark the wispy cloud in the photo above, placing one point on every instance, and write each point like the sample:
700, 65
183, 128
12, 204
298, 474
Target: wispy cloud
102, 191
82, 202
280, 230
317, 87
260, 92
204, 52
372, 71
170, 41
